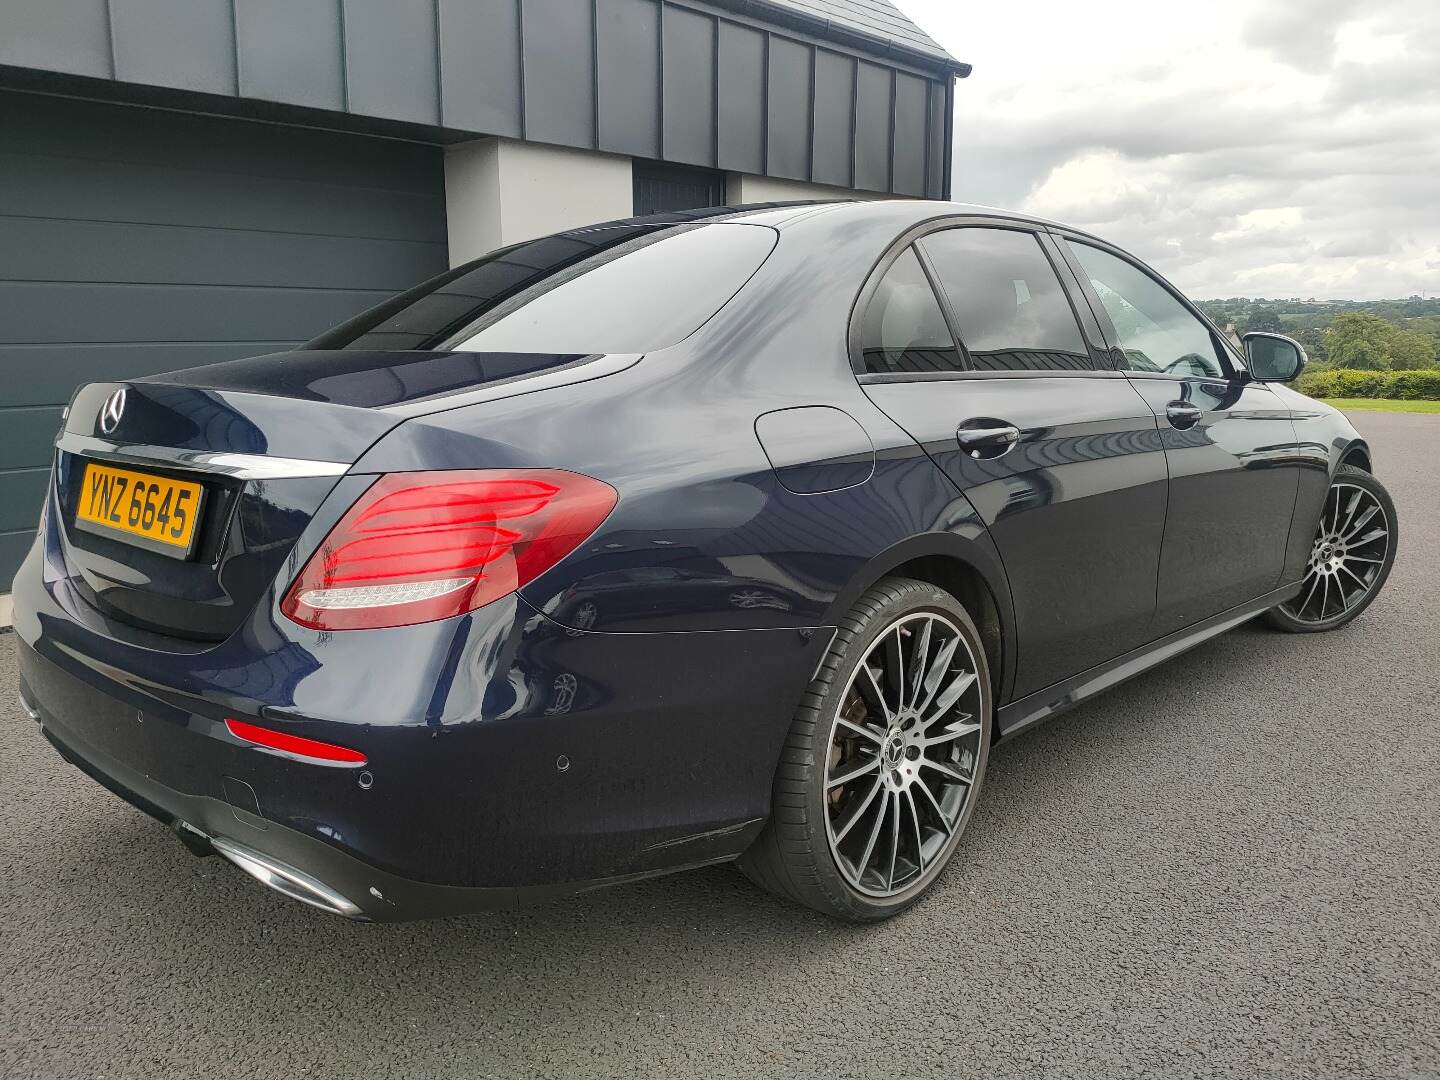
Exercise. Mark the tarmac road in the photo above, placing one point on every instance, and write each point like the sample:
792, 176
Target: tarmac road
1227, 867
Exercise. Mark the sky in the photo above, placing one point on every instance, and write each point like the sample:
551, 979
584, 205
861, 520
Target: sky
1278, 148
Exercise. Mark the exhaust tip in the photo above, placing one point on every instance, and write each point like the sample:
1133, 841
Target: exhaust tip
286, 880
30, 710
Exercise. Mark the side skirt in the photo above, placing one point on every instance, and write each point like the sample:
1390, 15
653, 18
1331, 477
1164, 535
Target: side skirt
1021, 715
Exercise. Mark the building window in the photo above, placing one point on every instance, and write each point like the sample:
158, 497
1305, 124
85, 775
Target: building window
659, 188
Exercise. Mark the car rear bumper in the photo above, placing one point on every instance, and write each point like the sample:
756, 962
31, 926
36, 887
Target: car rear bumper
288, 861
509, 759
307, 870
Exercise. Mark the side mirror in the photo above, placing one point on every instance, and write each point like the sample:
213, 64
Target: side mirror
1273, 357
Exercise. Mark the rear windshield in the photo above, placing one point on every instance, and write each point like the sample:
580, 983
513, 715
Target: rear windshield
621, 289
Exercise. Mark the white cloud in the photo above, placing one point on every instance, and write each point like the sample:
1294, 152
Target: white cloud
1252, 147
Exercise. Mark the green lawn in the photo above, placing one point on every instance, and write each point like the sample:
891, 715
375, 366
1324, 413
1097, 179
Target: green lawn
1382, 405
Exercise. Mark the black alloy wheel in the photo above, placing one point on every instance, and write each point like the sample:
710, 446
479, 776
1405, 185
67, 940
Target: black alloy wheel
1350, 557
885, 759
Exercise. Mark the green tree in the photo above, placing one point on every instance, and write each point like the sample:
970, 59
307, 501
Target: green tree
1429, 325
1313, 339
1263, 320
1410, 349
1367, 342
1354, 340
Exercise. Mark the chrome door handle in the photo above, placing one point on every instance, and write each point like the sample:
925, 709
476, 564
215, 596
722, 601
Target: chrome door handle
1182, 414
987, 438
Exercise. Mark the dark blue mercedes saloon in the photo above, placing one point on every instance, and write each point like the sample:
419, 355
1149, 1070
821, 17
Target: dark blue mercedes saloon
728, 535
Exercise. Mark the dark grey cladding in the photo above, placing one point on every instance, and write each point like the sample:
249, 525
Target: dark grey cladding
842, 92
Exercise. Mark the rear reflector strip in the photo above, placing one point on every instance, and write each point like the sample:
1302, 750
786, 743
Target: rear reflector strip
311, 750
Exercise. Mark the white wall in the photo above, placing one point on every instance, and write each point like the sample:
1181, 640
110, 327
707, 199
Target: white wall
501, 191
745, 188
472, 198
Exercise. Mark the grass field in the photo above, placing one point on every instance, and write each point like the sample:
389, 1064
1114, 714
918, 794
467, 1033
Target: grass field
1382, 405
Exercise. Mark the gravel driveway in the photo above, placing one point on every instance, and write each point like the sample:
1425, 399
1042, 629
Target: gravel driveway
1230, 866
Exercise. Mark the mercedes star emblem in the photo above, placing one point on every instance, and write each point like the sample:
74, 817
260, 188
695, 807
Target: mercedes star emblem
111, 411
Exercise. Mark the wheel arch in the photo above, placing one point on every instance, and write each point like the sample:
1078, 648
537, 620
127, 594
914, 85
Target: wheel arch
1356, 453
968, 570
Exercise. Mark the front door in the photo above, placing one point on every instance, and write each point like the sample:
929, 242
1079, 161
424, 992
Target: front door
1230, 444
1059, 456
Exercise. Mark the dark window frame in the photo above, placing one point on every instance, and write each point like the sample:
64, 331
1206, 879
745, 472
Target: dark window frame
928, 273
1225, 353
1100, 362
1098, 348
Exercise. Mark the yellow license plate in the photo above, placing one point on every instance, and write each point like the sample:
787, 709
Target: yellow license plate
151, 511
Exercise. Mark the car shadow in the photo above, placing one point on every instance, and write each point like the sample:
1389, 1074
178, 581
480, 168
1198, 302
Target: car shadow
660, 946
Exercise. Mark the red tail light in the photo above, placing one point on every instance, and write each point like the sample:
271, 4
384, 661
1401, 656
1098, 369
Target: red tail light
294, 745
423, 546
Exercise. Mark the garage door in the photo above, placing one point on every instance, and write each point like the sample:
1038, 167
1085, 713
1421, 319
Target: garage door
136, 240
659, 187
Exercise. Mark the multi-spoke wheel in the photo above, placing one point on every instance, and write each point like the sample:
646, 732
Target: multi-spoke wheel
885, 759
1350, 558
903, 748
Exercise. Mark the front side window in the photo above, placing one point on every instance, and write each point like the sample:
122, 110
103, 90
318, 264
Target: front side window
618, 289
1157, 332
904, 330
1010, 308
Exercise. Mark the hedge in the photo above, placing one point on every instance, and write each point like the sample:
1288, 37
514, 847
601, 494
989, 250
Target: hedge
1414, 385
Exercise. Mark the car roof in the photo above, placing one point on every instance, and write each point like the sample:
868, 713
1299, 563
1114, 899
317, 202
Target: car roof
779, 215
918, 210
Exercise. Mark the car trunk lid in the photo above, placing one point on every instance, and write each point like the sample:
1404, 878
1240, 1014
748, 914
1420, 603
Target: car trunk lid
266, 440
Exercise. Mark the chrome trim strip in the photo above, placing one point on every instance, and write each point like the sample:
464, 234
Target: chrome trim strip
591, 367
286, 880
238, 466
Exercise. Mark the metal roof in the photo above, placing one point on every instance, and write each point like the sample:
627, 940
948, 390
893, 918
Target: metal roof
878, 22
879, 18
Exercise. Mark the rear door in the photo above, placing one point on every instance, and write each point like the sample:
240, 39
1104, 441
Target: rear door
1016, 403
1230, 443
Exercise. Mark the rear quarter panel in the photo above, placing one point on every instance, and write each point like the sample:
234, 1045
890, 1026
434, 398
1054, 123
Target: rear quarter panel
705, 536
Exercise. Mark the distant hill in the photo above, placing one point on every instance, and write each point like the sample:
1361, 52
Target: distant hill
1308, 320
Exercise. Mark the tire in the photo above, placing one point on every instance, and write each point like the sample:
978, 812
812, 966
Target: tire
1349, 562
933, 729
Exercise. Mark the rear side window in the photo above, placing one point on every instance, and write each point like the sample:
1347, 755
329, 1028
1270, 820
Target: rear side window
904, 330
1010, 309
622, 289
